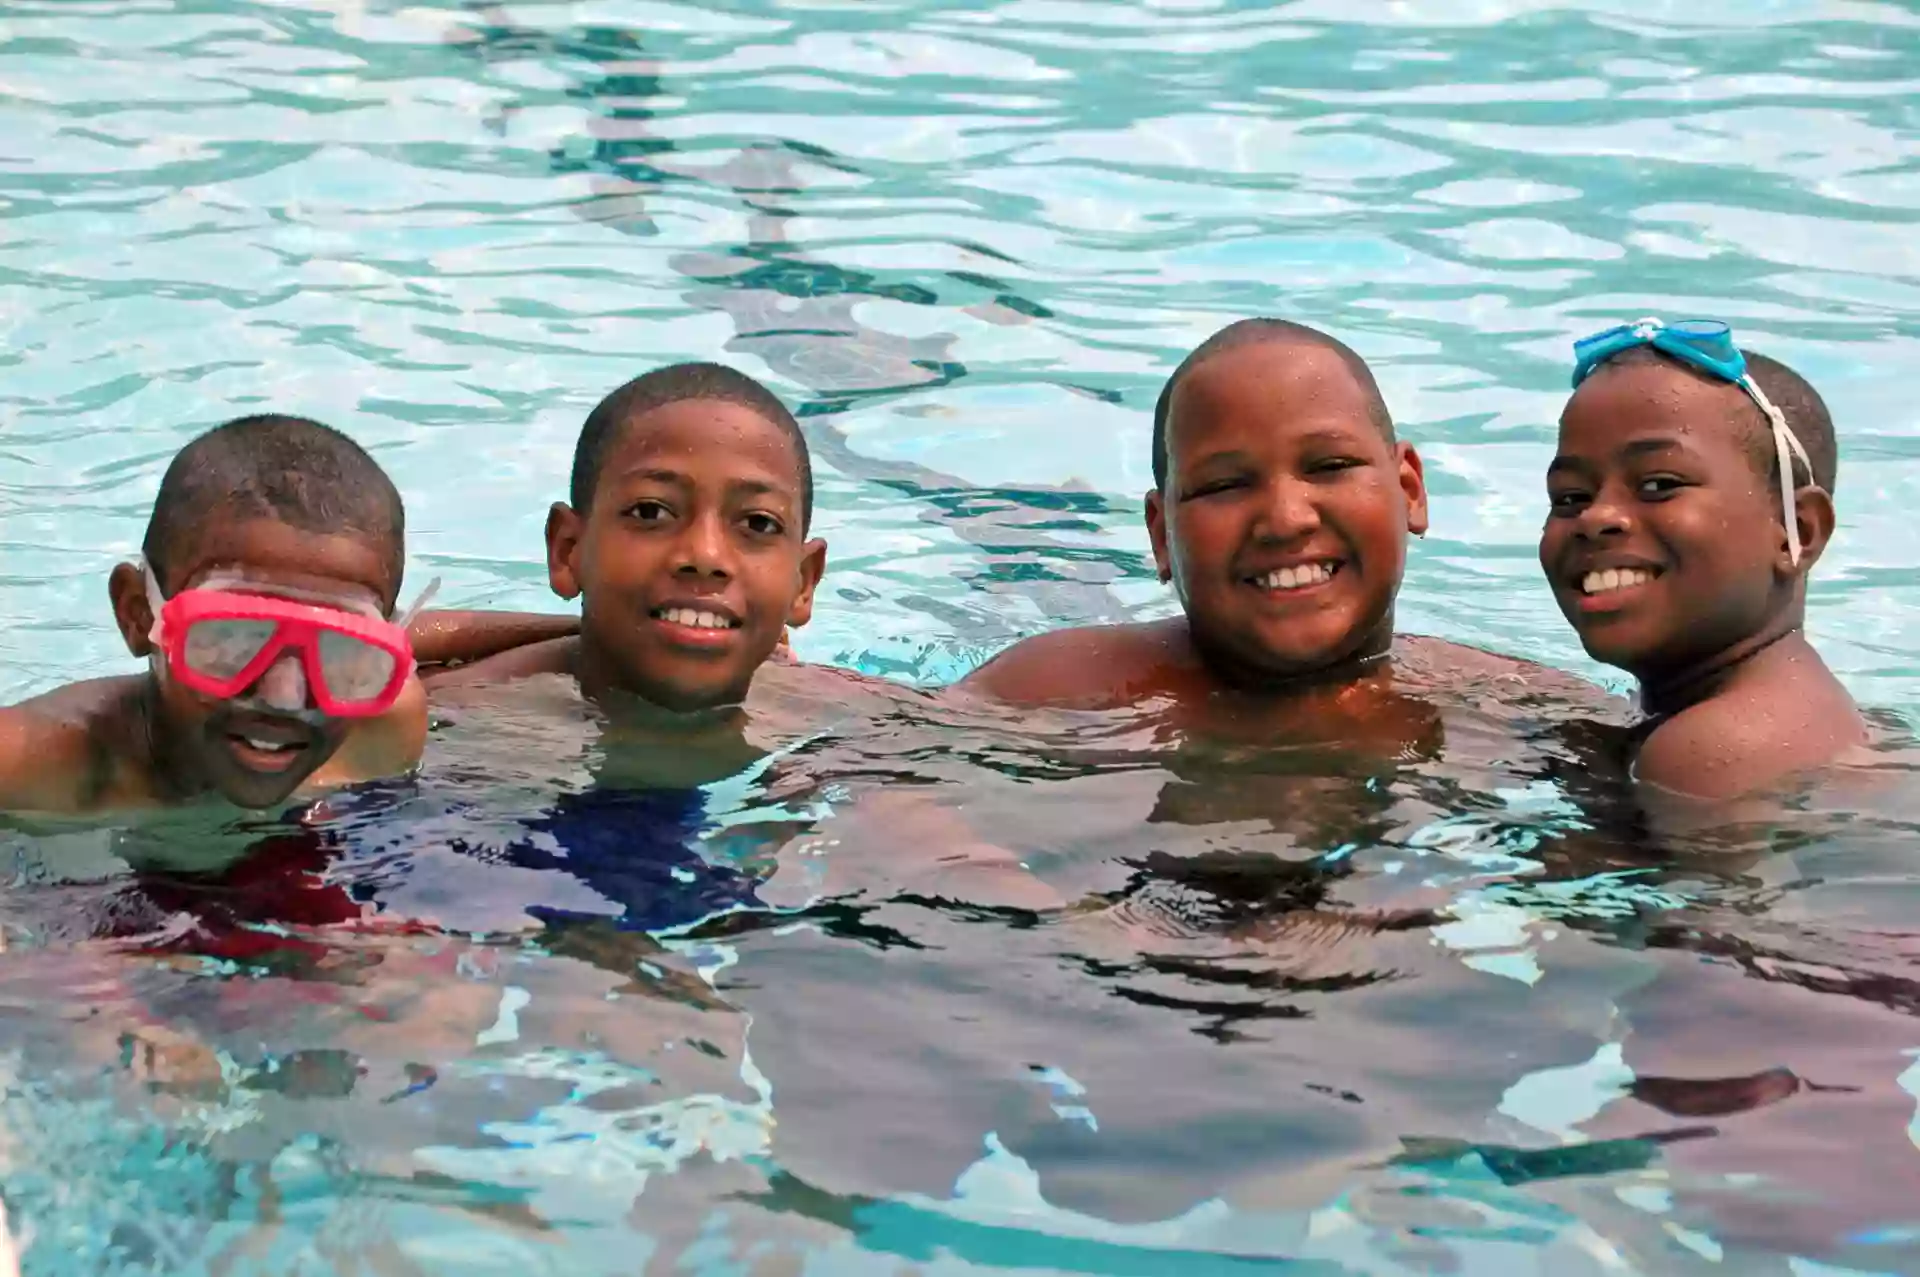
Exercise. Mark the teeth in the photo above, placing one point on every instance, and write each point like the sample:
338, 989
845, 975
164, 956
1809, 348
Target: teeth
269, 746
1299, 578
696, 620
1614, 579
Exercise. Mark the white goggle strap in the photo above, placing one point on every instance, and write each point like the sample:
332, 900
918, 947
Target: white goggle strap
1785, 447
406, 618
156, 601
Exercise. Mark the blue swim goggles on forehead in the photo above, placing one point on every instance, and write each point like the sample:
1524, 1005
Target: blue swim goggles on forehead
1706, 344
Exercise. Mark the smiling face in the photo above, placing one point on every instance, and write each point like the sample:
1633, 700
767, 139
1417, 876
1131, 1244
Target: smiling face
691, 558
256, 748
1663, 540
1284, 519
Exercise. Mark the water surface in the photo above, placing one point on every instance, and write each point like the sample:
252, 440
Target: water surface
1422, 1003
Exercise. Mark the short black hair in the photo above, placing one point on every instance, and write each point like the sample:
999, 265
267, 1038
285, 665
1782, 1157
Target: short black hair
678, 383
289, 469
1799, 403
1246, 332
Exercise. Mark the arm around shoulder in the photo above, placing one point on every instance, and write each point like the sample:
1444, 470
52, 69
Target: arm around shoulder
455, 637
552, 656
1072, 668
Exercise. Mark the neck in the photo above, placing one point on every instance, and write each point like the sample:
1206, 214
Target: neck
1367, 657
1671, 691
169, 766
600, 684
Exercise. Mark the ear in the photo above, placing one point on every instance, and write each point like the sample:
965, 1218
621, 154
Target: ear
564, 530
1413, 482
1814, 519
813, 565
1157, 534
127, 587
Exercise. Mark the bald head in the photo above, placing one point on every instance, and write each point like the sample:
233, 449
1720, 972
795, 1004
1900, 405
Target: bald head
1283, 335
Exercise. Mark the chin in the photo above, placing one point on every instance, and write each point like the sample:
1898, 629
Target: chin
681, 700
1256, 662
1305, 654
1613, 652
685, 697
257, 791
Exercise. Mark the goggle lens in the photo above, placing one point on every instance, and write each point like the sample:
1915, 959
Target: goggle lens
222, 649
355, 672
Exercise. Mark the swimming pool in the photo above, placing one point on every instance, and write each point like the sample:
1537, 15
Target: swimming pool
968, 241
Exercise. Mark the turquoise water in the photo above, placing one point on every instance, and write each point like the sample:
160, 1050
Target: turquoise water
452, 237
969, 242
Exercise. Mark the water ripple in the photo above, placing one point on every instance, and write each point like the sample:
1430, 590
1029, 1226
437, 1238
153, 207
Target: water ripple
968, 240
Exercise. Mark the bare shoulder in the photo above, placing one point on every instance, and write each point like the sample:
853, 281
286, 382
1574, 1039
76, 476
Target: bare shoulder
553, 656
74, 749
82, 702
1753, 736
1086, 667
838, 680
800, 696
1475, 670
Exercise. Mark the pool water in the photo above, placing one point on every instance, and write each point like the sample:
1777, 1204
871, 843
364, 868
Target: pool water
1446, 1012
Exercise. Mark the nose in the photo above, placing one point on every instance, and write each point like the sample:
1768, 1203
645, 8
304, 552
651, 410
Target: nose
1289, 513
1606, 515
704, 549
284, 686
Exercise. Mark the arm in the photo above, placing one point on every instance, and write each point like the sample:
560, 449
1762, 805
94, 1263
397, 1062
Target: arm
553, 656
1090, 667
448, 638
1511, 685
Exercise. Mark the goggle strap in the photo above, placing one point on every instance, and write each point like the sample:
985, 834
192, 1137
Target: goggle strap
406, 618
1786, 447
1786, 444
156, 601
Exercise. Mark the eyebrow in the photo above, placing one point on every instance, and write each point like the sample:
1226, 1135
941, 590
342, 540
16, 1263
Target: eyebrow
1638, 448
1336, 434
655, 473
736, 487
1214, 458
757, 488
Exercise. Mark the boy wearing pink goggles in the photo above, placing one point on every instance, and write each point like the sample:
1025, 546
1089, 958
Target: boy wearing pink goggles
264, 607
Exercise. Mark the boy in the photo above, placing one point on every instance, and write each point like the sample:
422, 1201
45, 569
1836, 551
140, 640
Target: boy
685, 537
1690, 497
272, 561
1280, 512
